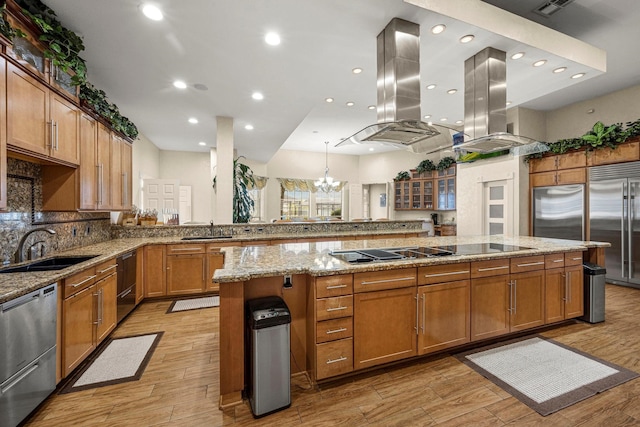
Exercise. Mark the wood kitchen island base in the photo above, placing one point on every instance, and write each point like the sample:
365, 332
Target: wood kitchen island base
361, 317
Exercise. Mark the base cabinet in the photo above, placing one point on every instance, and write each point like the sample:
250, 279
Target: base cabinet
186, 269
155, 282
564, 293
384, 326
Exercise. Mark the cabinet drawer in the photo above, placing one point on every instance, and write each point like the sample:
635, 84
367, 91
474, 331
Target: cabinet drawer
333, 308
334, 358
573, 258
443, 273
215, 247
495, 267
543, 164
332, 286
527, 263
553, 261
572, 176
79, 281
380, 280
105, 269
189, 248
336, 329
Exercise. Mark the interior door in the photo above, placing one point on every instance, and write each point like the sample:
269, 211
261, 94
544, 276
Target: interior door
497, 213
161, 194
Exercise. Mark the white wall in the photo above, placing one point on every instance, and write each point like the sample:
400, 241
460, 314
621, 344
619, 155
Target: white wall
191, 168
145, 160
574, 120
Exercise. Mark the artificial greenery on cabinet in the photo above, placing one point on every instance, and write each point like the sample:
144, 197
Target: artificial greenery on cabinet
402, 176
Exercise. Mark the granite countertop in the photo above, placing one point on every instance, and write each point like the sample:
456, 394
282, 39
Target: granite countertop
244, 263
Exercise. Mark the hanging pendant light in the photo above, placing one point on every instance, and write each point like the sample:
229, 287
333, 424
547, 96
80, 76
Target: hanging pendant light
326, 183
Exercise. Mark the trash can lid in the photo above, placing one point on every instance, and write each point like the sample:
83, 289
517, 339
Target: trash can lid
593, 269
267, 311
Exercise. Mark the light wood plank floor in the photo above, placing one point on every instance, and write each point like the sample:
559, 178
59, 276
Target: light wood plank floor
180, 385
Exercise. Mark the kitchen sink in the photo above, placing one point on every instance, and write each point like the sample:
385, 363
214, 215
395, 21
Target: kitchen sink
49, 264
206, 237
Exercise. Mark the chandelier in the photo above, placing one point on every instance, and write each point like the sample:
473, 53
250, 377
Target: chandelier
326, 183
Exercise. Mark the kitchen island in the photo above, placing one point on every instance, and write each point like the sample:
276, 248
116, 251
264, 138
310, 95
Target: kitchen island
347, 317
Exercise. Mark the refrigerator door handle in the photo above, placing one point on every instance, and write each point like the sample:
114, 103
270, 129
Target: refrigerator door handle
624, 229
630, 220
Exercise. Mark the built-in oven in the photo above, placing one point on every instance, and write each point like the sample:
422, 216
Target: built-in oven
126, 284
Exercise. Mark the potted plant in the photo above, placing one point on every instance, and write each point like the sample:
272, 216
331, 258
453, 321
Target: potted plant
242, 182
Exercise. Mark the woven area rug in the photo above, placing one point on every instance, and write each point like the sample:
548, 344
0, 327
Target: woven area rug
544, 374
119, 360
194, 304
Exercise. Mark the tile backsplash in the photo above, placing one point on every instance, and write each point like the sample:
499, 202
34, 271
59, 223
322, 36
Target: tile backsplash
24, 213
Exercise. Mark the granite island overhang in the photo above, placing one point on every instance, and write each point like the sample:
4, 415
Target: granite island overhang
258, 271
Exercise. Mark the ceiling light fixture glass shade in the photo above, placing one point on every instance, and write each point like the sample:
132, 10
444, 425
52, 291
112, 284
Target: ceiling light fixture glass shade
272, 39
326, 184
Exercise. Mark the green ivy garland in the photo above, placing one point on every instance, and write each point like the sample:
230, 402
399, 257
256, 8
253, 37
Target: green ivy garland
402, 176
425, 166
445, 163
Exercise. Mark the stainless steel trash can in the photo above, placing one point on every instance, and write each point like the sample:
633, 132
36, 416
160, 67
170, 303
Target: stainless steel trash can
594, 280
269, 373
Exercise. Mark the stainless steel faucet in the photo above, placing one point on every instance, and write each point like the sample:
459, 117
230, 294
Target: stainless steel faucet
211, 228
19, 254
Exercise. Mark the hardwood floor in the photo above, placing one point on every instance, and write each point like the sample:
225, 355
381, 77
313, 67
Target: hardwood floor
180, 385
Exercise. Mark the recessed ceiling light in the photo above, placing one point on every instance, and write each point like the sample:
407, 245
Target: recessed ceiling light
431, 86
152, 12
452, 91
202, 143
444, 119
540, 63
248, 127
257, 96
356, 70
467, 38
193, 120
560, 69
517, 55
577, 76
350, 104
371, 149
428, 116
437, 29
272, 39
180, 84
371, 107
329, 99
459, 122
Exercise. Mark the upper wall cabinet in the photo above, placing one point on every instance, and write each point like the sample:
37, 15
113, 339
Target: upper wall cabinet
39, 121
3, 135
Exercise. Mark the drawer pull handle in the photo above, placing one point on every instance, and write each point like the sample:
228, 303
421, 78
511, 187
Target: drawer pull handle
450, 273
337, 308
502, 267
108, 268
558, 260
75, 285
185, 249
335, 331
577, 259
339, 359
336, 287
373, 282
530, 264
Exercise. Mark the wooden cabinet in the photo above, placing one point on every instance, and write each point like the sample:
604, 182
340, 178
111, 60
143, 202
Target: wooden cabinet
507, 296
627, 152
155, 282
422, 194
89, 312
117, 178
568, 168
402, 194
444, 307
446, 188
103, 166
330, 332
564, 296
185, 269
215, 260
140, 274
40, 122
88, 170
3, 133
126, 169
384, 326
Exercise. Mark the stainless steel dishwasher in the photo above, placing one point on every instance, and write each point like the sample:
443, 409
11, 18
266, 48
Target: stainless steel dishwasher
27, 353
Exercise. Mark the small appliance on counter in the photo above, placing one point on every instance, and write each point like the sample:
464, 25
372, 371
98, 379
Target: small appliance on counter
434, 218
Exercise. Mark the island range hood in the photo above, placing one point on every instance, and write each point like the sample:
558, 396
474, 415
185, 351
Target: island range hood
398, 89
398, 81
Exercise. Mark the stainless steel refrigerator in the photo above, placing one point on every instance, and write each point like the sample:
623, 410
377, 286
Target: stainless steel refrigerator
614, 212
558, 212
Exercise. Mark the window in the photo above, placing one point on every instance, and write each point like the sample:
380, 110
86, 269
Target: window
256, 196
294, 204
329, 204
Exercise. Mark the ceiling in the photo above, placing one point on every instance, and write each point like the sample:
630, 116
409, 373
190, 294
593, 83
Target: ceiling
217, 47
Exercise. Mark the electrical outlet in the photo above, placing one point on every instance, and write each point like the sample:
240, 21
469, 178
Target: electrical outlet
288, 284
74, 232
87, 230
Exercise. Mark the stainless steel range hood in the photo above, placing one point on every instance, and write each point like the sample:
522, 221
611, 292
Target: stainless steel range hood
485, 100
399, 124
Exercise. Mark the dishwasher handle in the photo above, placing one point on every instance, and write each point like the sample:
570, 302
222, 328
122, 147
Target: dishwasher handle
24, 299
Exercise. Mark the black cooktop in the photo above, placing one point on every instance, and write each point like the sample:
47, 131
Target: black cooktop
388, 254
481, 248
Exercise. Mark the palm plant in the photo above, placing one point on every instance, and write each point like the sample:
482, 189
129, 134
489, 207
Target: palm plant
243, 181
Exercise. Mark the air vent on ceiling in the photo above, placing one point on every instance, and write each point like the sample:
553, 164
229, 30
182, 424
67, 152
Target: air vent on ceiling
548, 8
